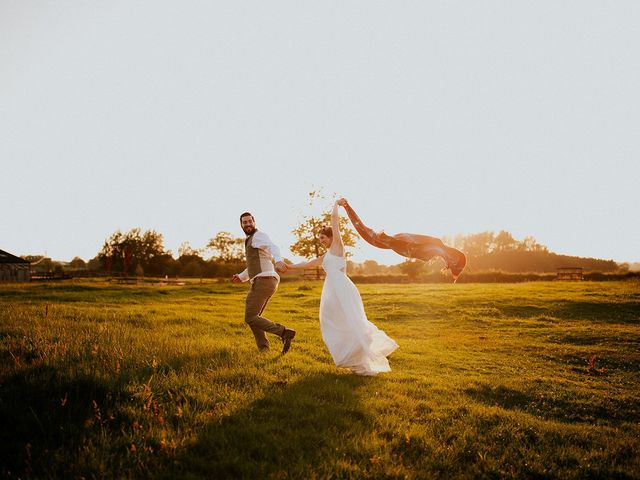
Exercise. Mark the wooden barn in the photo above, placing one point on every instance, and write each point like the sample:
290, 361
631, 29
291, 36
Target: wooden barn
570, 273
13, 269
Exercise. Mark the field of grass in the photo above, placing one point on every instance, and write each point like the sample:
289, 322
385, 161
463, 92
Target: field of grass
537, 380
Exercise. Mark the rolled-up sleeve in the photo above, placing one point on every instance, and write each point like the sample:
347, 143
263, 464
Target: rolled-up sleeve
261, 240
244, 275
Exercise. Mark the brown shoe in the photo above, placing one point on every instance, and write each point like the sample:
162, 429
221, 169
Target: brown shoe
287, 336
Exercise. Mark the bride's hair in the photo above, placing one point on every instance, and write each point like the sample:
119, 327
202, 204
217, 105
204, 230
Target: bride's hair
325, 230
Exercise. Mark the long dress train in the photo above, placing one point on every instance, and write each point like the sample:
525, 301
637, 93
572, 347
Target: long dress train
353, 341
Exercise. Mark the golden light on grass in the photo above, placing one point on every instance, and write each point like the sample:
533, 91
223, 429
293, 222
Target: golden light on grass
520, 380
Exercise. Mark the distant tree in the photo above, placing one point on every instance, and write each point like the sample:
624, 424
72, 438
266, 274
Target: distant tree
139, 271
476, 244
77, 264
227, 248
483, 243
353, 268
411, 268
215, 268
307, 244
188, 261
151, 246
123, 252
504, 242
185, 249
192, 269
529, 244
161, 265
370, 267
94, 264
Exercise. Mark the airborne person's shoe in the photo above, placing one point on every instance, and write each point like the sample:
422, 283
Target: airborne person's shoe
456, 262
287, 336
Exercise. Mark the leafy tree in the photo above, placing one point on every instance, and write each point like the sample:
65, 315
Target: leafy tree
370, 267
139, 271
77, 263
411, 268
124, 252
193, 269
476, 244
307, 244
504, 242
161, 265
227, 248
530, 244
94, 264
185, 249
354, 268
191, 263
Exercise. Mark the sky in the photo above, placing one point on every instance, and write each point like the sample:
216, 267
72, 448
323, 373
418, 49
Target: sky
433, 117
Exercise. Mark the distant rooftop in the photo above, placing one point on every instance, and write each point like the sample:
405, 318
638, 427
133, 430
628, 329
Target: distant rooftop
6, 257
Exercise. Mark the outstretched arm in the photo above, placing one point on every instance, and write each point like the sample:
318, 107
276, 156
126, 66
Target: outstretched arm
262, 240
337, 248
310, 264
240, 277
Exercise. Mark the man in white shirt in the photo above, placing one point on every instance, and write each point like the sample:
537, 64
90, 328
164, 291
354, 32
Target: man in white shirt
260, 251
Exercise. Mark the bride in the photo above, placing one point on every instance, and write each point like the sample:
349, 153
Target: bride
353, 341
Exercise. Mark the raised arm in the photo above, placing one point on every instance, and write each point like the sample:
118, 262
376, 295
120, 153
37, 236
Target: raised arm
337, 248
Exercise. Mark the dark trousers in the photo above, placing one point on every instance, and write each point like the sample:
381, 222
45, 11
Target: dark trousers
259, 294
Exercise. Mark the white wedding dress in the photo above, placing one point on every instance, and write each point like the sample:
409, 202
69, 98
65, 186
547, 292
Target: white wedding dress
353, 341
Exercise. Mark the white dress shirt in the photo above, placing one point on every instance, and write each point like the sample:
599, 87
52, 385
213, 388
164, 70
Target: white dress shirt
268, 250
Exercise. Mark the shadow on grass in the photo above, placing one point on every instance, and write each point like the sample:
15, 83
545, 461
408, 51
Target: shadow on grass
563, 407
292, 430
607, 312
614, 312
43, 415
70, 293
578, 338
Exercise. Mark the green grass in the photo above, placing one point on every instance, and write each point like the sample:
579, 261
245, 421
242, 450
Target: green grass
490, 381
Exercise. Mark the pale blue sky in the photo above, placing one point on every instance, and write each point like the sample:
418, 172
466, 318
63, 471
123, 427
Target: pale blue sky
430, 117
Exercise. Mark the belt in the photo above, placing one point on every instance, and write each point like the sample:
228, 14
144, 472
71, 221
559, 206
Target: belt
265, 277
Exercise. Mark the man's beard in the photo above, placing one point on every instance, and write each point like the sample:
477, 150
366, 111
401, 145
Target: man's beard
249, 230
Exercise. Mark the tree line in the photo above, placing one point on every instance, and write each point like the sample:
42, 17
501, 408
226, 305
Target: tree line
500, 251
142, 253
493, 252
138, 253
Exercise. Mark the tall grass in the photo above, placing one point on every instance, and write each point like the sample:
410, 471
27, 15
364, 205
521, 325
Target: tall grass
519, 381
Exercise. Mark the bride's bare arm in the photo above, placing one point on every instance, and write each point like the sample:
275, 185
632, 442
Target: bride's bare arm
337, 248
316, 262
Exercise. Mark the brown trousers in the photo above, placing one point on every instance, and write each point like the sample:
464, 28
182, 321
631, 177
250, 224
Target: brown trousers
259, 294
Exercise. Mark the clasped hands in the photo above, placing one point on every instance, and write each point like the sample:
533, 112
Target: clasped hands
282, 267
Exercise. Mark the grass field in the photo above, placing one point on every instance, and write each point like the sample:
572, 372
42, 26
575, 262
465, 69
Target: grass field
537, 380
